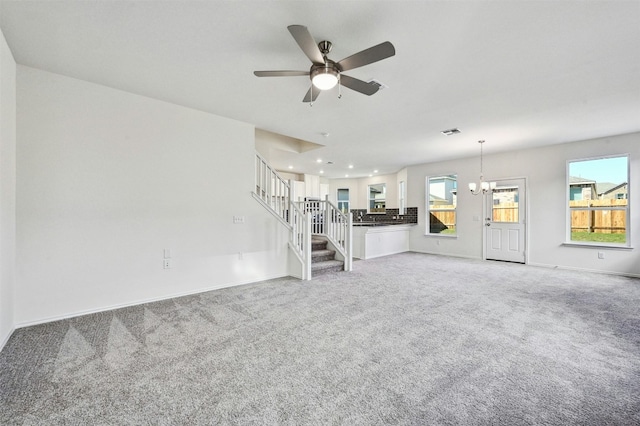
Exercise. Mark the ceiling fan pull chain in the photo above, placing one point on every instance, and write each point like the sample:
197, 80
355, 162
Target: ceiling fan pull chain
311, 101
339, 88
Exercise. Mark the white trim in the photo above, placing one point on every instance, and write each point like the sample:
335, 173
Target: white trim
142, 302
596, 271
596, 245
525, 222
627, 208
439, 253
6, 339
428, 208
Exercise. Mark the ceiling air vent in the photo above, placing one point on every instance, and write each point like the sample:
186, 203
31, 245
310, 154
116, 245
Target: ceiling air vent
380, 84
450, 132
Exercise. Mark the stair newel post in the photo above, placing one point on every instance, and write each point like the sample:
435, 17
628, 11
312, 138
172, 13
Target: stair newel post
349, 243
307, 245
290, 198
328, 230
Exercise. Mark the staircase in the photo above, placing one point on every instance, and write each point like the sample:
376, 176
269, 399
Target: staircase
313, 225
323, 260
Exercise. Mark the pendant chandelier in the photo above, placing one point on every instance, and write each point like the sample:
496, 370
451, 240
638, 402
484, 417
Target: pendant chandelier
483, 187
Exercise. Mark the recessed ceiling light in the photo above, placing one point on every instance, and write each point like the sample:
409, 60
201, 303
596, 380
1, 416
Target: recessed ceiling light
450, 132
290, 167
351, 166
325, 134
370, 175
321, 171
319, 160
375, 171
346, 175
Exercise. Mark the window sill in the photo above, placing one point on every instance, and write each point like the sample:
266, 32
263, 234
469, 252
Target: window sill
598, 246
441, 236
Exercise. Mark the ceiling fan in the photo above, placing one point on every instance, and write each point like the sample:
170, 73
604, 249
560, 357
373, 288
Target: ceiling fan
324, 72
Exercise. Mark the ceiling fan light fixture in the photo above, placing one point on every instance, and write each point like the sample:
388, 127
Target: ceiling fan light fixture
324, 78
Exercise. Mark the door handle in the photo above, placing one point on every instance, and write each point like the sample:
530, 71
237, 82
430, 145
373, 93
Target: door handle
487, 224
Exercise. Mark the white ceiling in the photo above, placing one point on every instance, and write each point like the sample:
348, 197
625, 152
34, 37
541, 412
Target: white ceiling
515, 73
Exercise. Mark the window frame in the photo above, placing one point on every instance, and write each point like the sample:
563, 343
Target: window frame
429, 209
339, 201
402, 197
626, 208
373, 200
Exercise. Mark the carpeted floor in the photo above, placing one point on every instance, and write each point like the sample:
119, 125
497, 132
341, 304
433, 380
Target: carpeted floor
409, 339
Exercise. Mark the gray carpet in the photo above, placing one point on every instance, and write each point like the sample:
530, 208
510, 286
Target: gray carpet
409, 339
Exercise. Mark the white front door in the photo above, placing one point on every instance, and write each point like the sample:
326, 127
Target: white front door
505, 221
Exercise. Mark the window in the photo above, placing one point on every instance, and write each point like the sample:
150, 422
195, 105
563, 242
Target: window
598, 200
505, 204
343, 200
441, 204
377, 198
402, 195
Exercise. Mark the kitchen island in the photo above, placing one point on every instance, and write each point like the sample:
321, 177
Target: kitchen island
375, 239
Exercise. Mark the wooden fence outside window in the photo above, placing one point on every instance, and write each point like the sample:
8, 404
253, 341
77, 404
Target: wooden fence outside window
599, 216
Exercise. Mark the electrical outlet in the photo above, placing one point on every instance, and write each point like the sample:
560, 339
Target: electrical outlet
167, 253
238, 219
600, 255
166, 263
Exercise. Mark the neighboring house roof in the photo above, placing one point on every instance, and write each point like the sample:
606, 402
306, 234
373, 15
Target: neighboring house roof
612, 188
604, 187
575, 180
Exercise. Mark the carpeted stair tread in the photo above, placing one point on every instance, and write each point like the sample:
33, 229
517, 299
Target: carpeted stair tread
322, 255
327, 266
318, 244
323, 259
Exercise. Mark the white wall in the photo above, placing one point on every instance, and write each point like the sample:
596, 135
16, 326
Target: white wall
106, 180
351, 185
7, 189
545, 170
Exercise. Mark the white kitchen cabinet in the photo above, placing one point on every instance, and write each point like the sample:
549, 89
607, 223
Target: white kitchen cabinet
376, 241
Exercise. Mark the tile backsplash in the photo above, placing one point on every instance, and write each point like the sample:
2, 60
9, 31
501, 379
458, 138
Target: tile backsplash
391, 215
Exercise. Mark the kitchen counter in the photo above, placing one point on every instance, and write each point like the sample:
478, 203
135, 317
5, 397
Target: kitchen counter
392, 223
375, 239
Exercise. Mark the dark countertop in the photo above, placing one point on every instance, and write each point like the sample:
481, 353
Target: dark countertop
388, 223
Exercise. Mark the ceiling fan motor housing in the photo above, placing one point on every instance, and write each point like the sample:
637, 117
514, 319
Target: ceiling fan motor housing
325, 47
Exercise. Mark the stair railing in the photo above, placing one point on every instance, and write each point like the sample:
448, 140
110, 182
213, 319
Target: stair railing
337, 228
327, 220
300, 239
272, 189
276, 195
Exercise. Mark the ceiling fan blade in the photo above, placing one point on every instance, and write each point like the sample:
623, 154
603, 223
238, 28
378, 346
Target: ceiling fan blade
280, 73
306, 42
368, 56
312, 90
359, 85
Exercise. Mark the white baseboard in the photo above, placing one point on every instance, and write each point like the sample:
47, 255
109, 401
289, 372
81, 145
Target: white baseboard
542, 265
593, 271
446, 254
6, 338
138, 302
